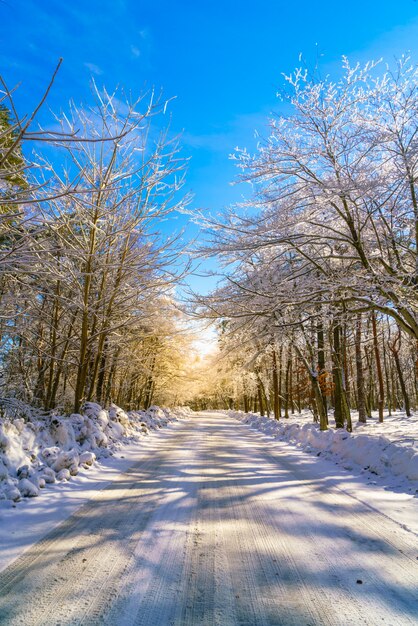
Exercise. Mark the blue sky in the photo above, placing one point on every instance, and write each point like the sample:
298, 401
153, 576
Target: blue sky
221, 59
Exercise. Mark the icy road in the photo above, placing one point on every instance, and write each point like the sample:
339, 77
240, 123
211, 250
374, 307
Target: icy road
213, 526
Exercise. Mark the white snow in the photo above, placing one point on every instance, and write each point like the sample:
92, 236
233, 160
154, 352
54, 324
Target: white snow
25, 522
387, 450
38, 450
25, 519
218, 522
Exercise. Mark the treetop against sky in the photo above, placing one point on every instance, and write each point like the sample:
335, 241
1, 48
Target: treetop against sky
220, 62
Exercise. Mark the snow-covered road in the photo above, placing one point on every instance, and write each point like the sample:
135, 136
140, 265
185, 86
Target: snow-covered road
213, 526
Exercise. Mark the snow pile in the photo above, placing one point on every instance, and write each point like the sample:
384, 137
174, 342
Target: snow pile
384, 449
38, 449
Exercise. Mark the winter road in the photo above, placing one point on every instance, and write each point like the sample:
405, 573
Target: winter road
212, 527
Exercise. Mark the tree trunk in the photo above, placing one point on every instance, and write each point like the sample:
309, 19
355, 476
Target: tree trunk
286, 383
260, 396
101, 373
341, 411
316, 390
275, 387
394, 348
381, 397
391, 397
321, 359
361, 398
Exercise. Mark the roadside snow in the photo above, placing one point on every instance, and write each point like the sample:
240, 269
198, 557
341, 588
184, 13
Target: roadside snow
388, 449
218, 523
38, 450
26, 521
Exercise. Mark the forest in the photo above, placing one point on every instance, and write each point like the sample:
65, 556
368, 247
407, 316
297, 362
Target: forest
318, 299
318, 306
87, 279
208, 313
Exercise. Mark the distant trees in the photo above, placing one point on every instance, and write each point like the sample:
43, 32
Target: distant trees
85, 275
325, 262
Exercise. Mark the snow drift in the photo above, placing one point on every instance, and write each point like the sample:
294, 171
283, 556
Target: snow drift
38, 449
388, 449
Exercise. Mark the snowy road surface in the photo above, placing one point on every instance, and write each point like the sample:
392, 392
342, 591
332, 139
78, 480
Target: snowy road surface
212, 527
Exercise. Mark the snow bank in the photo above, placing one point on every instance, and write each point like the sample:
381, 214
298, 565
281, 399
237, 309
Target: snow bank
38, 449
388, 450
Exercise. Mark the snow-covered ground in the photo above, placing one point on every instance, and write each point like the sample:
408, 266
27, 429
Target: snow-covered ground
36, 449
65, 460
385, 452
217, 523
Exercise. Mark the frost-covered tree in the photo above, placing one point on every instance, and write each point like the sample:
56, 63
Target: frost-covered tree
93, 270
329, 236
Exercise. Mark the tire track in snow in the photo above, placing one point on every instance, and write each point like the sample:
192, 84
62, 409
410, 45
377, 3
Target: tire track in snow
366, 545
268, 587
199, 574
152, 582
70, 576
213, 529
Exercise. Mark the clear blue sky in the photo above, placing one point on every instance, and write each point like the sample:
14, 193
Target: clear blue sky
221, 59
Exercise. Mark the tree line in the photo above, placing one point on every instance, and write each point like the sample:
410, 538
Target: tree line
86, 278
318, 307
